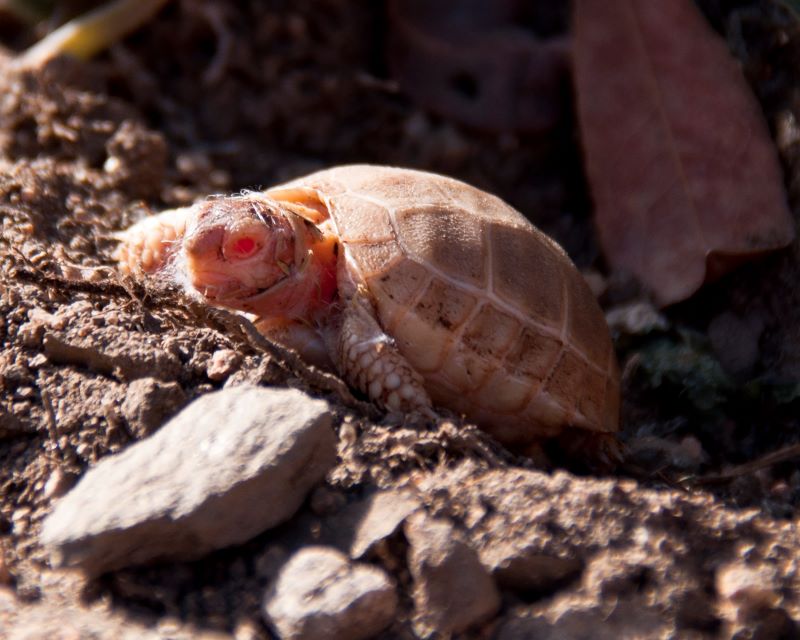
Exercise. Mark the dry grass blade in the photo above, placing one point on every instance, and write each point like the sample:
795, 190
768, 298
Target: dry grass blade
92, 32
775, 457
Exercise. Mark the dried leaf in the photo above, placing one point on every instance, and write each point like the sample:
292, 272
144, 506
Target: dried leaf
473, 61
685, 179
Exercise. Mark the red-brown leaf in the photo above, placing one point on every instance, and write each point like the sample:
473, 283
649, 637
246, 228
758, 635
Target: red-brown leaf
685, 180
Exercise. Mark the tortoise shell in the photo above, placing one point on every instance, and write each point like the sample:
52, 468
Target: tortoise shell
489, 310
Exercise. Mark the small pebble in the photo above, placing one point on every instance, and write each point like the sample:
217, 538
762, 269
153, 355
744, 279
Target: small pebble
248, 630
319, 594
58, 484
222, 363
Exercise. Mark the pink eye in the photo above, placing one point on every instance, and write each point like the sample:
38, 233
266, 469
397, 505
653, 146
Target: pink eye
243, 247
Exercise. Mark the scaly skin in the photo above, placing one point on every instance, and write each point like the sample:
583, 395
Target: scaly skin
149, 245
374, 365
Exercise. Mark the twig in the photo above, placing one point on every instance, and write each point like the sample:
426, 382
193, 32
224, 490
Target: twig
768, 460
52, 422
233, 323
291, 360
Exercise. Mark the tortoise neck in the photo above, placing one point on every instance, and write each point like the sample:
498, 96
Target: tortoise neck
310, 292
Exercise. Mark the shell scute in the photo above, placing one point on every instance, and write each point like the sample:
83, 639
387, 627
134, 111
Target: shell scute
376, 260
612, 399
491, 332
464, 370
484, 340
506, 394
527, 276
568, 377
591, 399
533, 355
423, 344
445, 306
584, 318
449, 240
369, 222
402, 282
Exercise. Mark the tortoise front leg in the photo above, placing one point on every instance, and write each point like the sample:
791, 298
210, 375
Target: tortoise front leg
148, 245
369, 361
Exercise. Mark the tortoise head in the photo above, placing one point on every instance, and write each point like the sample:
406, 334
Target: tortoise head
248, 252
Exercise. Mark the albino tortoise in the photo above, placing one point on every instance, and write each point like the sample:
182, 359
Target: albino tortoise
420, 290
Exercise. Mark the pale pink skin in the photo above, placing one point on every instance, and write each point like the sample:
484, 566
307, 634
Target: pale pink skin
254, 254
254, 258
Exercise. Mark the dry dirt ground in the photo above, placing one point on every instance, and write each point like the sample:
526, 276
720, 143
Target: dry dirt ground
216, 96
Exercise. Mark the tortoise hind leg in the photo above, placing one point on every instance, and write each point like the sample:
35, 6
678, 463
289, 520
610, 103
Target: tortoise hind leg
370, 362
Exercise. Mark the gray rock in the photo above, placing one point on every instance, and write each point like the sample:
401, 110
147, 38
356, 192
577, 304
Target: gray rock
383, 513
452, 589
320, 594
232, 464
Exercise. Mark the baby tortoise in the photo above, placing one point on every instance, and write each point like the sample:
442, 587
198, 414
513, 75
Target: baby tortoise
420, 289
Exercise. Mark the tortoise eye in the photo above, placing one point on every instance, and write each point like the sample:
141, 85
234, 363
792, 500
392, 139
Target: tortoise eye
244, 246
241, 247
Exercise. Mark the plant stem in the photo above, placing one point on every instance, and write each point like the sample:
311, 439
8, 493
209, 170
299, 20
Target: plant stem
92, 32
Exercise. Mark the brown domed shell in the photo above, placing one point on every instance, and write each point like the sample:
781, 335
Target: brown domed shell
489, 310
